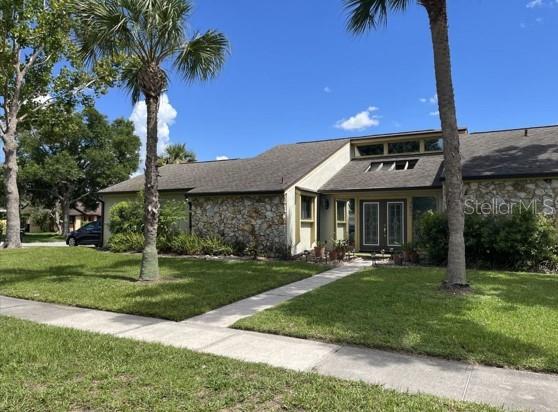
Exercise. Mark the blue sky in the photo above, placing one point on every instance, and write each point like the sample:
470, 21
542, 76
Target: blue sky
296, 74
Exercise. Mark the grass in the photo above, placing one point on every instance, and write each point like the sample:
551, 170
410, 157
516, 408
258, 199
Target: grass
46, 368
42, 237
510, 319
102, 280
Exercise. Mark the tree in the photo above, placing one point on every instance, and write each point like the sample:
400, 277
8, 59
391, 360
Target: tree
151, 37
177, 153
37, 67
368, 14
69, 156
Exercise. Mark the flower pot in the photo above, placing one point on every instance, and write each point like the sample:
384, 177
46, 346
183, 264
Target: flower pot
319, 251
333, 255
341, 254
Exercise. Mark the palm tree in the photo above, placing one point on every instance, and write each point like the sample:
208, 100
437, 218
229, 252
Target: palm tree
150, 37
177, 153
368, 14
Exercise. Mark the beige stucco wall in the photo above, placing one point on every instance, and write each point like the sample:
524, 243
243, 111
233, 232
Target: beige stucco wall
312, 182
112, 199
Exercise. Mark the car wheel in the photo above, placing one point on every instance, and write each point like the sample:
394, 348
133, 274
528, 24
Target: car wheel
72, 241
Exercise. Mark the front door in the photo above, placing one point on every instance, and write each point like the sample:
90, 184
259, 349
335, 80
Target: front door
382, 224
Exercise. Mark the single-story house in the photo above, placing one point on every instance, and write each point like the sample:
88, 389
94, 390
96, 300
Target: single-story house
369, 189
80, 215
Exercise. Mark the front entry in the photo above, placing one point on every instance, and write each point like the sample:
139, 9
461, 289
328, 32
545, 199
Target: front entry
383, 224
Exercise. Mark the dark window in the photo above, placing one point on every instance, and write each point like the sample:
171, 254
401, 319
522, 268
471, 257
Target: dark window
404, 147
341, 210
371, 150
434, 145
306, 205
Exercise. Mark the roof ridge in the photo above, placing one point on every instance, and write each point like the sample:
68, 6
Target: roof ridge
515, 128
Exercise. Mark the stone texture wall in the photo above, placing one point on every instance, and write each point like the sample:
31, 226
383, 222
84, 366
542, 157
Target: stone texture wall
248, 218
542, 193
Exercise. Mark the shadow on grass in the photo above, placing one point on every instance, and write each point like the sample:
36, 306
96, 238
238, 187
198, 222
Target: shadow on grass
509, 320
109, 281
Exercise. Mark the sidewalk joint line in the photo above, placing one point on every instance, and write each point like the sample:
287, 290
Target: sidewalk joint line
470, 369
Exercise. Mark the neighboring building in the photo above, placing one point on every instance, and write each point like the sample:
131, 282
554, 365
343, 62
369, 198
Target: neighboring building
369, 189
80, 215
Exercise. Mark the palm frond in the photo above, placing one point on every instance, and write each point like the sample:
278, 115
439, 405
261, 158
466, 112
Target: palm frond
203, 56
369, 14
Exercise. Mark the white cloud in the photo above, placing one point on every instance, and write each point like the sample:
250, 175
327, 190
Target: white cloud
431, 100
522, 25
539, 19
360, 121
436, 113
166, 117
222, 157
534, 3
327, 89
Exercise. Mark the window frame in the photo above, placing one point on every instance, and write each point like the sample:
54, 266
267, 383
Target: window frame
344, 202
312, 199
417, 141
439, 139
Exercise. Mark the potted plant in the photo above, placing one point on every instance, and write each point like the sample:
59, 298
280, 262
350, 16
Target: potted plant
319, 249
340, 248
398, 259
409, 252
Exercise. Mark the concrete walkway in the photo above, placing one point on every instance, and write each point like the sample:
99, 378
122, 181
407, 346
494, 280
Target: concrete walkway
227, 315
456, 380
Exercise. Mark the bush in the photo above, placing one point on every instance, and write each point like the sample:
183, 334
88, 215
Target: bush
521, 241
127, 217
180, 244
126, 242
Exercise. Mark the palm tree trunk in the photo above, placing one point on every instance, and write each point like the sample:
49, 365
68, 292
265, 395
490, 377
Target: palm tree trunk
13, 239
437, 14
150, 262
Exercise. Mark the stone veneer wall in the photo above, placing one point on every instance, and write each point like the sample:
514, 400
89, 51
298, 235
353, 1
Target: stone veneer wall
543, 191
241, 218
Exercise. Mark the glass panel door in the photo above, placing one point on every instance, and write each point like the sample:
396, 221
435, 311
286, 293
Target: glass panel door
395, 223
371, 223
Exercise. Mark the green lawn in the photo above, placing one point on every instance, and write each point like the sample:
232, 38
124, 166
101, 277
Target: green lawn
511, 319
42, 237
51, 369
89, 278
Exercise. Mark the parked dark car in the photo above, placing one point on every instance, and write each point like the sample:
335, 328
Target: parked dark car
90, 234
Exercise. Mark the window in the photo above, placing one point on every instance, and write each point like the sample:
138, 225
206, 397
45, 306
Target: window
392, 165
371, 150
341, 211
410, 146
434, 145
306, 206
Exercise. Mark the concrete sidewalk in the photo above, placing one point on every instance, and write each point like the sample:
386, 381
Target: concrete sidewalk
227, 315
456, 380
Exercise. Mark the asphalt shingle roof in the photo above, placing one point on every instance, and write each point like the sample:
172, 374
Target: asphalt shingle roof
354, 176
511, 153
485, 154
273, 170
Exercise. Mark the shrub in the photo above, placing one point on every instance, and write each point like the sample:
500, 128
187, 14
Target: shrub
520, 241
126, 242
127, 217
185, 244
214, 245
